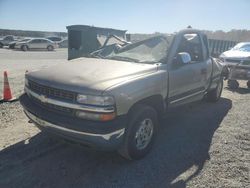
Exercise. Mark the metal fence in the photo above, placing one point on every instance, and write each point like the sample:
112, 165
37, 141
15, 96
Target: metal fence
216, 47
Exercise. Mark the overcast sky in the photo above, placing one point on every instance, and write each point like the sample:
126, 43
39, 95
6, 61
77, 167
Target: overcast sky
137, 16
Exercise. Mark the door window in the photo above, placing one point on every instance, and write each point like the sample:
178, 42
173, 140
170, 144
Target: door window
35, 41
191, 43
43, 41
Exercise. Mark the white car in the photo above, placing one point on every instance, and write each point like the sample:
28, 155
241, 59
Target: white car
37, 43
238, 62
238, 54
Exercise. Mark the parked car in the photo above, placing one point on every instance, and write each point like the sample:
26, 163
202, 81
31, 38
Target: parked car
115, 102
13, 43
238, 61
63, 43
6, 40
37, 43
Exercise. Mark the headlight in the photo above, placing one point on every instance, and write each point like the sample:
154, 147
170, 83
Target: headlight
95, 100
102, 101
222, 59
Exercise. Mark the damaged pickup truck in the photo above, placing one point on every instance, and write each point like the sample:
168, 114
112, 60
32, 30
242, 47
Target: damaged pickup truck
114, 102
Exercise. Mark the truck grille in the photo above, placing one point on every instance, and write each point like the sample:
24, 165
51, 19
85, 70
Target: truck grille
54, 108
52, 92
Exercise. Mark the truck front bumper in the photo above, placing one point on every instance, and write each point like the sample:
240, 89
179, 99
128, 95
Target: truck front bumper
100, 135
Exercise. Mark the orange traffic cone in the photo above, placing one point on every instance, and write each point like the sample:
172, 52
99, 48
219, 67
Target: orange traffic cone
7, 96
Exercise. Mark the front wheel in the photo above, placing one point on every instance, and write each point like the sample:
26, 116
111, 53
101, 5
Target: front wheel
24, 48
140, 133
50, 48
215, 94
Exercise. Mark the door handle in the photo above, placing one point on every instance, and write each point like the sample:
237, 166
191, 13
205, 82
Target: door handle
203, 71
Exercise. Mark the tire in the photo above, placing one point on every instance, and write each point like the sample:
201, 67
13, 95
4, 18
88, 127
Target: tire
50, 48
248, 84
24, 48
140, 132
1, 45
233, 84
215, 94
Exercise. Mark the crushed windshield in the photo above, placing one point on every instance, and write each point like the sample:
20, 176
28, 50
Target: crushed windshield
148, 51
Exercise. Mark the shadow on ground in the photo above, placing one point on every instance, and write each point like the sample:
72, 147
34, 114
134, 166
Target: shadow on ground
183, 143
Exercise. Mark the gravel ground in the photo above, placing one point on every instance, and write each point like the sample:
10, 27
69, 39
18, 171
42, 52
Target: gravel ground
199, 145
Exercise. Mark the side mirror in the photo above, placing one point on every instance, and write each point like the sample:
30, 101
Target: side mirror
183, 58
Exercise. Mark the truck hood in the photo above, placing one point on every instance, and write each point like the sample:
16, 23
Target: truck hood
236, 54
90, 75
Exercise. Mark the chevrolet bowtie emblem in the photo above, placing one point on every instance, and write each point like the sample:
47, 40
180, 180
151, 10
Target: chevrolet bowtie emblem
43, 98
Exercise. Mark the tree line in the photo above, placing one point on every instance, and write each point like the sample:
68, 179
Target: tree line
23, 33
233, 35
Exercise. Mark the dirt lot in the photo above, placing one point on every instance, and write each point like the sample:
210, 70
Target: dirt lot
17, 62
199, 145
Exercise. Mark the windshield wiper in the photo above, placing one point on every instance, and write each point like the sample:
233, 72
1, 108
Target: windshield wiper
121, 58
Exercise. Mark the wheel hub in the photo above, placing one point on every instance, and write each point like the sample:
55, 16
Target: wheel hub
144, 134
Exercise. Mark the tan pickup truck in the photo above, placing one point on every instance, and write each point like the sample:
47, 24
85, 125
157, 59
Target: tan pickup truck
114, 101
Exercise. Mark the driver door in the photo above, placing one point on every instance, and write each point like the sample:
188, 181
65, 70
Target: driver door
186, 80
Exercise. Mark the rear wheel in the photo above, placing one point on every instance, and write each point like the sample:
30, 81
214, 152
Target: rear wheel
233, 84
215, 94
24, 48
50, 48
140, 133
248, 84
1, 45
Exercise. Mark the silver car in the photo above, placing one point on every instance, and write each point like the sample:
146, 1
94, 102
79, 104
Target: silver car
238, 61
37, 43
239, 53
